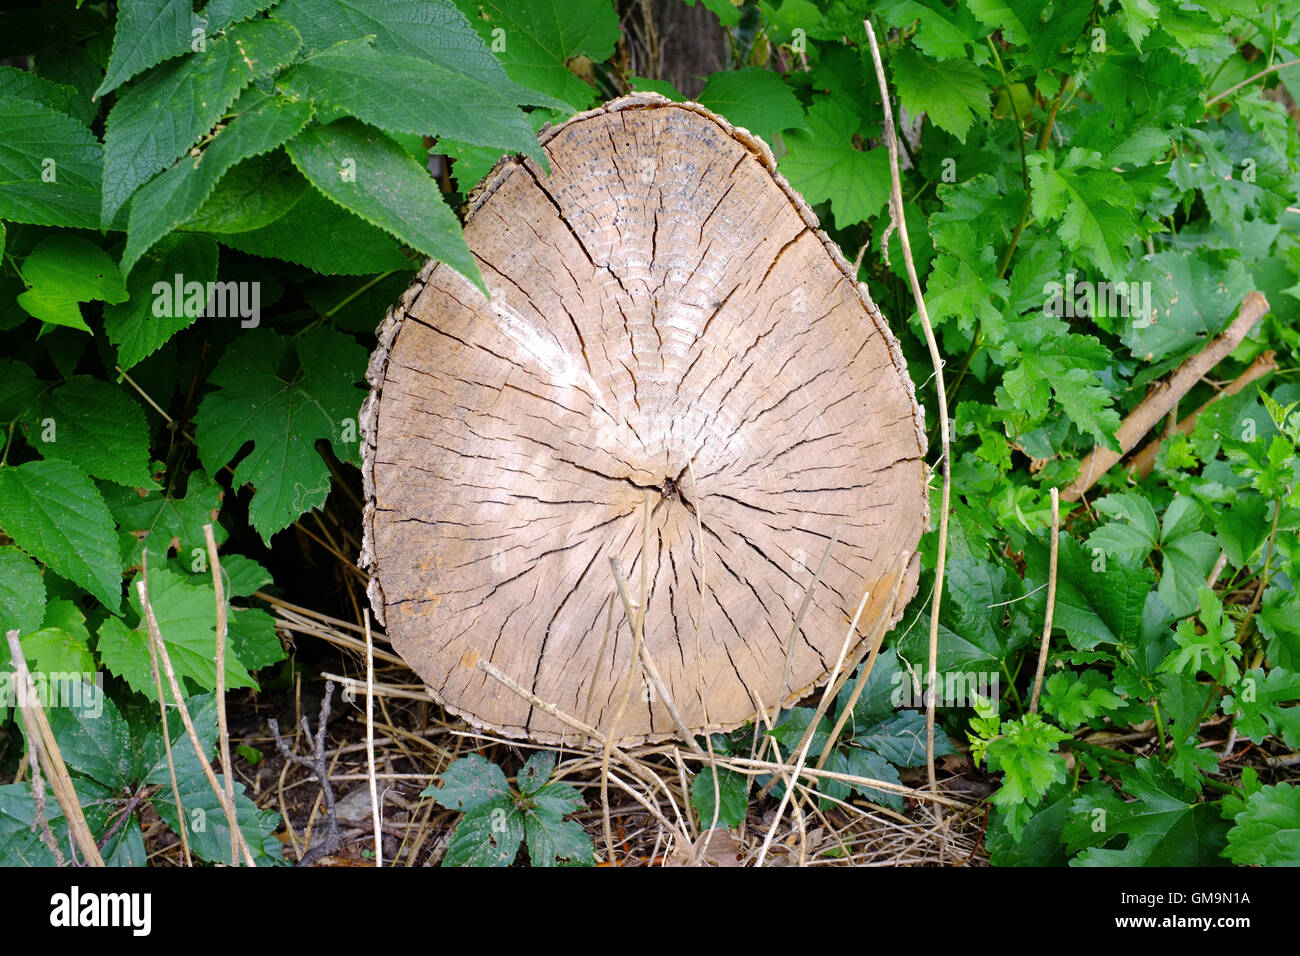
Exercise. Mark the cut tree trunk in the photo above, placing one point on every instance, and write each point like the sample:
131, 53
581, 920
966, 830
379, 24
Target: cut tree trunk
666, 320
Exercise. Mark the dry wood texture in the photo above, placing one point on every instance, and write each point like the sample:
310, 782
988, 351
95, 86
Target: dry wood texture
666, 319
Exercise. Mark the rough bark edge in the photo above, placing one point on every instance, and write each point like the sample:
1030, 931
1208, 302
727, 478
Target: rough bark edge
390, 326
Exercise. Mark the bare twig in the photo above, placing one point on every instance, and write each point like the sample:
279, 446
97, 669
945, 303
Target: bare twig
166, 730
370, 743
897, 217
1051, 602
316, 763
223, 729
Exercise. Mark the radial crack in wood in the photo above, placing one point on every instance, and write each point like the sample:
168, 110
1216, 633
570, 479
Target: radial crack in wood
665, 316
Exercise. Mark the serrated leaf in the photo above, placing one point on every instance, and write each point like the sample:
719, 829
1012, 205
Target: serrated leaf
193, 93
136, 326
1047, 31
187, 619
283, 418
470, 783
406, 94
151, 751
1257, 701
51, 166
824, 165
1187, 556
147, 32
161, 523
901, 739
22, 595
1076, 698
55, 513
1193, 296
95, 740
220, 14
731, 798
255, 195
535, 772
96, 426
64, 270
211, 842
169, 200
319, 234
952, 92
1097, 601
553, 841
1267, 831
26, 85
487, 835
754, 98
367, 173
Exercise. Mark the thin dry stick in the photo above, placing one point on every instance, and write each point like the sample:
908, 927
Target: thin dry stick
1144, 462
1051, 602
748, 766
798, 622
38, 819
167, 734
227, 807
223, 730
1251, 79
899, 220
1157, 405
370, 742
40, 738
316, 764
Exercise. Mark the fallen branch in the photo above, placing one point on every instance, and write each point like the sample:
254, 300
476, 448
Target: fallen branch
317, 765
1158, 404
1144, 461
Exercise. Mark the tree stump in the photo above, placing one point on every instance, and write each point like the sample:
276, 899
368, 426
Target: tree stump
666, 320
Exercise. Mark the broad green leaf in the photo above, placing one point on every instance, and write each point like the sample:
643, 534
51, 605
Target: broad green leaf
321, 235
1134, 532
1257, 701
1187, 556
540, 37
368, 174
243, 575
731, 793
283, 418
62, 644
51, 166
487, 835
901, 739
148, 318
169, 200
1094, 206
757, 99
55, 513
1076, 698
151, 765
221, 14
22, 595
193, 92
824, 164
941, 31
1047, 31
1193, 295
1267, 831
951, 92
148, 32
98, 427
469, 783
256, 194
1098, 600
535, 772
64, 270
187, 619
1163, 826
406, 94
95, 740
160, 523
211, 842
1039, 843
553, 841
253, 638
26, 85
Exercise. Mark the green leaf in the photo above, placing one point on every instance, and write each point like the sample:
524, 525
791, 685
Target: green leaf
470, 783
1164, 825
757, 99
1095, 207
56, 514
901, 739
487, 835
551, 840
64, 270
187, 619
1048, 31
367, 173
316, 233
51, 166
1257, 701
194, 93
1134, 533
96, 426
161, 523
1267, 831
535, 772
732, 800
952, 92
1097, 600
1076, 698
169, 200
255, 194
62, 645
22, 595
95, 740
941, 31
541, 36
148, 32
243, 575
824, 164
1193, 295
282, 417
1026, 754
1187, 556
151, 752
26, 85
136, 326
211, 840
406, 94
220, 14
1039, 843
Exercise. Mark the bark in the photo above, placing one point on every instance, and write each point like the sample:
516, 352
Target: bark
666, 319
